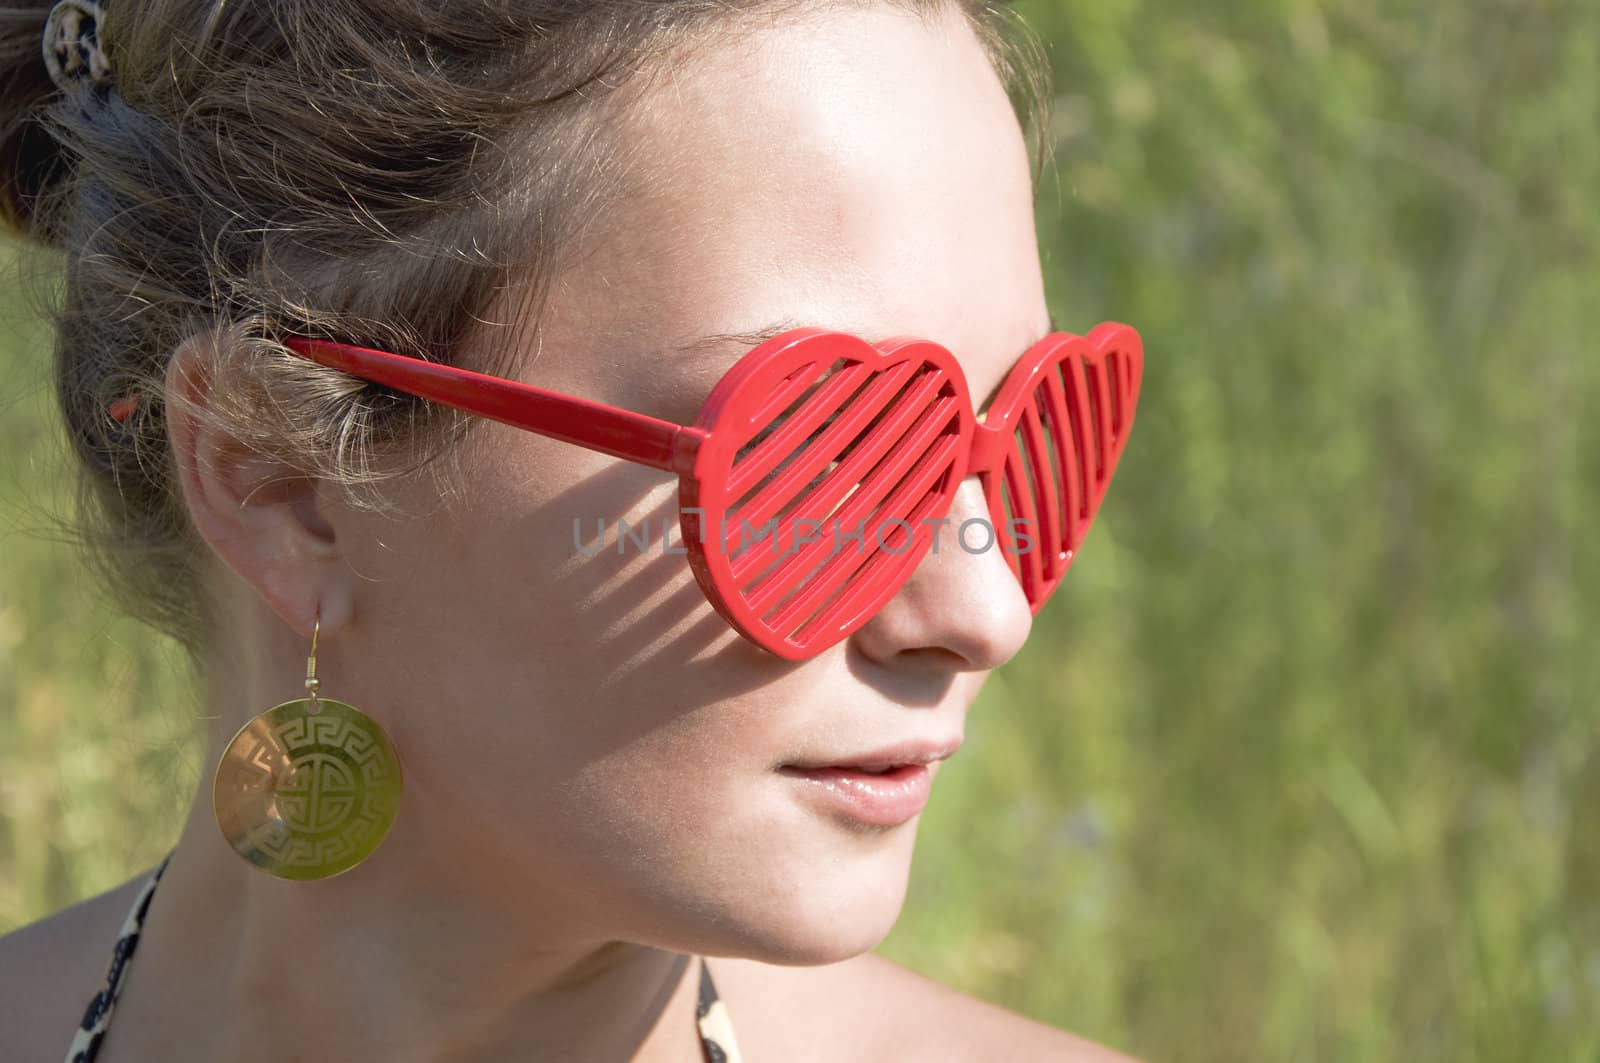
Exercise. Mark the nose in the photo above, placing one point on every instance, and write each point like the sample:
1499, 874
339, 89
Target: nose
962, 600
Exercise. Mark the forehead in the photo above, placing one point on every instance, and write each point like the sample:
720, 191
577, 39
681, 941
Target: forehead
858, 169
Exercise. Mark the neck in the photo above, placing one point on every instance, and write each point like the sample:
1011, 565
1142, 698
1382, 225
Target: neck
375, 965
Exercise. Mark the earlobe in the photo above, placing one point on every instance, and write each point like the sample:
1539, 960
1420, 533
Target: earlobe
263, 517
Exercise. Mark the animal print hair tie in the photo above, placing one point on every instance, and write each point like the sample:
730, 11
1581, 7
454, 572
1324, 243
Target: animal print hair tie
72, 51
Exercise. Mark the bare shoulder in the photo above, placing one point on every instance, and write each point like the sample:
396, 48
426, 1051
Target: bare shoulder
50, 969
953, 1025
872, 1008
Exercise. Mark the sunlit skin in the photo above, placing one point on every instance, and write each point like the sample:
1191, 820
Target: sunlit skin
590, 751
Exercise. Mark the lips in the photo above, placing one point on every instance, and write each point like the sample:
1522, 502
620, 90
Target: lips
861, 767
885, 760
899, 773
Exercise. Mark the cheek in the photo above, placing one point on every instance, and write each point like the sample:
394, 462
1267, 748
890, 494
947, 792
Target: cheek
675, 784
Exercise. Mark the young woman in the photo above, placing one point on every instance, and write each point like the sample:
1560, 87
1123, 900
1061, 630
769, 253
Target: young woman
526, 786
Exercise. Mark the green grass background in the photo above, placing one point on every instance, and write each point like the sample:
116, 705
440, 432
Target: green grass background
1301, 764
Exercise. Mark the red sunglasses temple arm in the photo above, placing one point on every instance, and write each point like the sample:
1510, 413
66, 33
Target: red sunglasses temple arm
631, 436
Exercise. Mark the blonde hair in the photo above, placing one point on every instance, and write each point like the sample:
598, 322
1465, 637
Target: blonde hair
379, 171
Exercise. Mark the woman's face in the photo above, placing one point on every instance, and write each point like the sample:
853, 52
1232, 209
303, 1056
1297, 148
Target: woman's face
583, 728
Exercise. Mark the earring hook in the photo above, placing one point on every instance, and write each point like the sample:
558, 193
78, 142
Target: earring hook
313, 684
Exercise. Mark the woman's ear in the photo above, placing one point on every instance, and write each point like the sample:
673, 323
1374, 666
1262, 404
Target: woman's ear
263, 518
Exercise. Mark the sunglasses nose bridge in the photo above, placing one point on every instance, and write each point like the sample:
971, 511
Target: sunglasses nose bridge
986, 451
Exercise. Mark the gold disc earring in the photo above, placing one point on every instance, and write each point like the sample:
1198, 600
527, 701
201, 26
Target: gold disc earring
307, 789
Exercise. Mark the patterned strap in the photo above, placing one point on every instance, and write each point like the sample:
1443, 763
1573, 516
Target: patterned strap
716, 1028
711, 1014
92, 1030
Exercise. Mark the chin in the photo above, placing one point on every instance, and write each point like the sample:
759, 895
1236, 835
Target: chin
818, 945
816, 917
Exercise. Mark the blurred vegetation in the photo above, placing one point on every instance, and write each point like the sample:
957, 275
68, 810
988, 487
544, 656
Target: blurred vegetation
1298, 764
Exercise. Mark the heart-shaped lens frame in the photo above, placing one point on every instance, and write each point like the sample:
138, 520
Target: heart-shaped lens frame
822, 434
1051, 441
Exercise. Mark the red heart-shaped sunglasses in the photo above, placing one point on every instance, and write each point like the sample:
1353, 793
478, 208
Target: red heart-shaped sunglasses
816, 425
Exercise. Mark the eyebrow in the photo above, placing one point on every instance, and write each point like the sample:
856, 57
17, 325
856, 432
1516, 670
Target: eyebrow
718, 343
